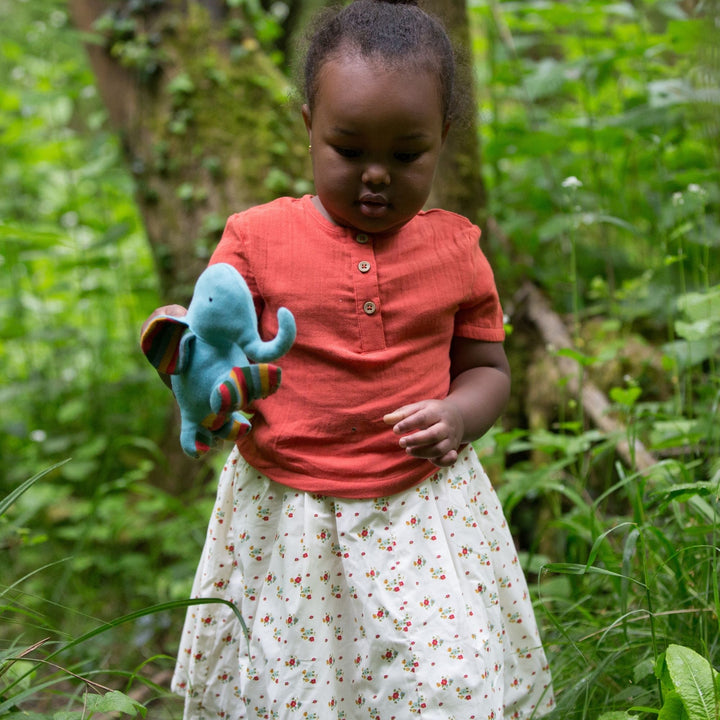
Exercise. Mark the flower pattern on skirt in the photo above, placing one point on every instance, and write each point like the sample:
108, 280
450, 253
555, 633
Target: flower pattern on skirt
389, 608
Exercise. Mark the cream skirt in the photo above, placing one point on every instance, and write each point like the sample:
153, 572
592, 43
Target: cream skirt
396, 607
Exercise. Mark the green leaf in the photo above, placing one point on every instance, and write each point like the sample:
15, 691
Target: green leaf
701, 306
181, 84
114, 701
617, 715
673, 708
20, 672
580, 358
625, 396
696, 330
694, 681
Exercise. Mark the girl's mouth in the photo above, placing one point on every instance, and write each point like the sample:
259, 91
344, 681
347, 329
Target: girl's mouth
373, 205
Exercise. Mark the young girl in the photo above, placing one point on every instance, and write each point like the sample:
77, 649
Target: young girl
355, 528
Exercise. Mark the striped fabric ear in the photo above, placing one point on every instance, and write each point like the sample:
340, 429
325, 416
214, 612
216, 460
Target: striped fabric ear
161, 343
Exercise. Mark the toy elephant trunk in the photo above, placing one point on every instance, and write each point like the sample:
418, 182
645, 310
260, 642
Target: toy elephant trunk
265, 351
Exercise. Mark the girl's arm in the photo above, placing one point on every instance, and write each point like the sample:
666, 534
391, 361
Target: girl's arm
479, 391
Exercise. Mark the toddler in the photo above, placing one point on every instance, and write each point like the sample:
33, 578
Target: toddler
354, 526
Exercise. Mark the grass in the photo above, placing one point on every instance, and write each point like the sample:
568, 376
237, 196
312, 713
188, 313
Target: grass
600, 152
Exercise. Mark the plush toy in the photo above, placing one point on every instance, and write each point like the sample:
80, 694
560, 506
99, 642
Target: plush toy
206, 354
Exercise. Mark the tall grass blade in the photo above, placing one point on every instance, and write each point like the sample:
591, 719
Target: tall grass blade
7, 501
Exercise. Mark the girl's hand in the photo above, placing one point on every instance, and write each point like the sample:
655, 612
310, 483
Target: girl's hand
174, 310
479, 390
431, 429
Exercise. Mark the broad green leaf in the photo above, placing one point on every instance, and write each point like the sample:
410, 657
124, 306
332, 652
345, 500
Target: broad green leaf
673, 708
699, 306
20, 672
617, 715
691, 353
694, 680
114, 701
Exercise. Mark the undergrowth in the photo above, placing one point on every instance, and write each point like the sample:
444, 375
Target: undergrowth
600, 142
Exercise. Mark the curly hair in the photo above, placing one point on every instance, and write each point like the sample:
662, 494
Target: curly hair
397, 33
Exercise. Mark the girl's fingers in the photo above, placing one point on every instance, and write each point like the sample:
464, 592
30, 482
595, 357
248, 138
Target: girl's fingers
397, 416
426, 432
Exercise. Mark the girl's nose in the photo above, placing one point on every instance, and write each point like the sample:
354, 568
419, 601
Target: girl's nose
376, 174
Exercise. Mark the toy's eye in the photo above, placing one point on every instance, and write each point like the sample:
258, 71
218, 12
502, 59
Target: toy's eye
209, 299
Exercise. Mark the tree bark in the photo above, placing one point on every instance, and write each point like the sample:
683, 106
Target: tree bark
204, 118
459, 185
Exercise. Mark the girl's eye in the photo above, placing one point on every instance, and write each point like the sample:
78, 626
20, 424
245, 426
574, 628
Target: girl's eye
407, 157
347, 152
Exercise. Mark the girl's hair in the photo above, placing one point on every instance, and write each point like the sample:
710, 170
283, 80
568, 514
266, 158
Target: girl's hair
396, 32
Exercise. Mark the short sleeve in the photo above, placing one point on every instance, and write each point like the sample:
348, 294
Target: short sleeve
480, 315
233, 249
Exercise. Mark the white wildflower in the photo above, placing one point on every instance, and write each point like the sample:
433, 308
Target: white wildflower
572, 182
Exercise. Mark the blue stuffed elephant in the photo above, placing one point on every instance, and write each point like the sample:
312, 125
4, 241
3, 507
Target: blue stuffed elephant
207, 354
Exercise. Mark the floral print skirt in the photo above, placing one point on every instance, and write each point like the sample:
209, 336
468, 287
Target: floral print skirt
390, 608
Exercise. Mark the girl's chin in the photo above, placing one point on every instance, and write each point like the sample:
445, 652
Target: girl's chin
367, 218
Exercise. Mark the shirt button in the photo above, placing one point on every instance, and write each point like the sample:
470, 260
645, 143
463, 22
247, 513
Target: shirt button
369, 307
364, 266
362, 238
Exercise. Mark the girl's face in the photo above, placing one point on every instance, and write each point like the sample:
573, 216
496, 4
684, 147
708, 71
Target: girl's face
376, 135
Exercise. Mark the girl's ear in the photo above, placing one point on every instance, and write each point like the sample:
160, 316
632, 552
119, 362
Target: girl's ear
307, 118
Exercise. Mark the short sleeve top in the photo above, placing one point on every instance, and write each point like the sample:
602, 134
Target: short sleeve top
375, 315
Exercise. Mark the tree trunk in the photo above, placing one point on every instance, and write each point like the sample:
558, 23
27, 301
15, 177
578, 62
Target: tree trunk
204, 118
459, 185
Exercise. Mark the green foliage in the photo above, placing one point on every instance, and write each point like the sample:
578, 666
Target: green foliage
600, 128
76, 277
24, 675
76, 268
600, 139
689, 683
690, 688
600, 131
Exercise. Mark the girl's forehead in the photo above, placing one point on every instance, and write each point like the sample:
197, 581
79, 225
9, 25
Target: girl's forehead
356, 83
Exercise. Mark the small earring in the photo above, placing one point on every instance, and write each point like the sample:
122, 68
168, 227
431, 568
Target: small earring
310, 147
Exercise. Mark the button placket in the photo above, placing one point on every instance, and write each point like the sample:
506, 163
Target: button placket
367, 294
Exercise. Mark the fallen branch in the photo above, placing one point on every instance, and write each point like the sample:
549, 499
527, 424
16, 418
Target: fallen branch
595, 404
